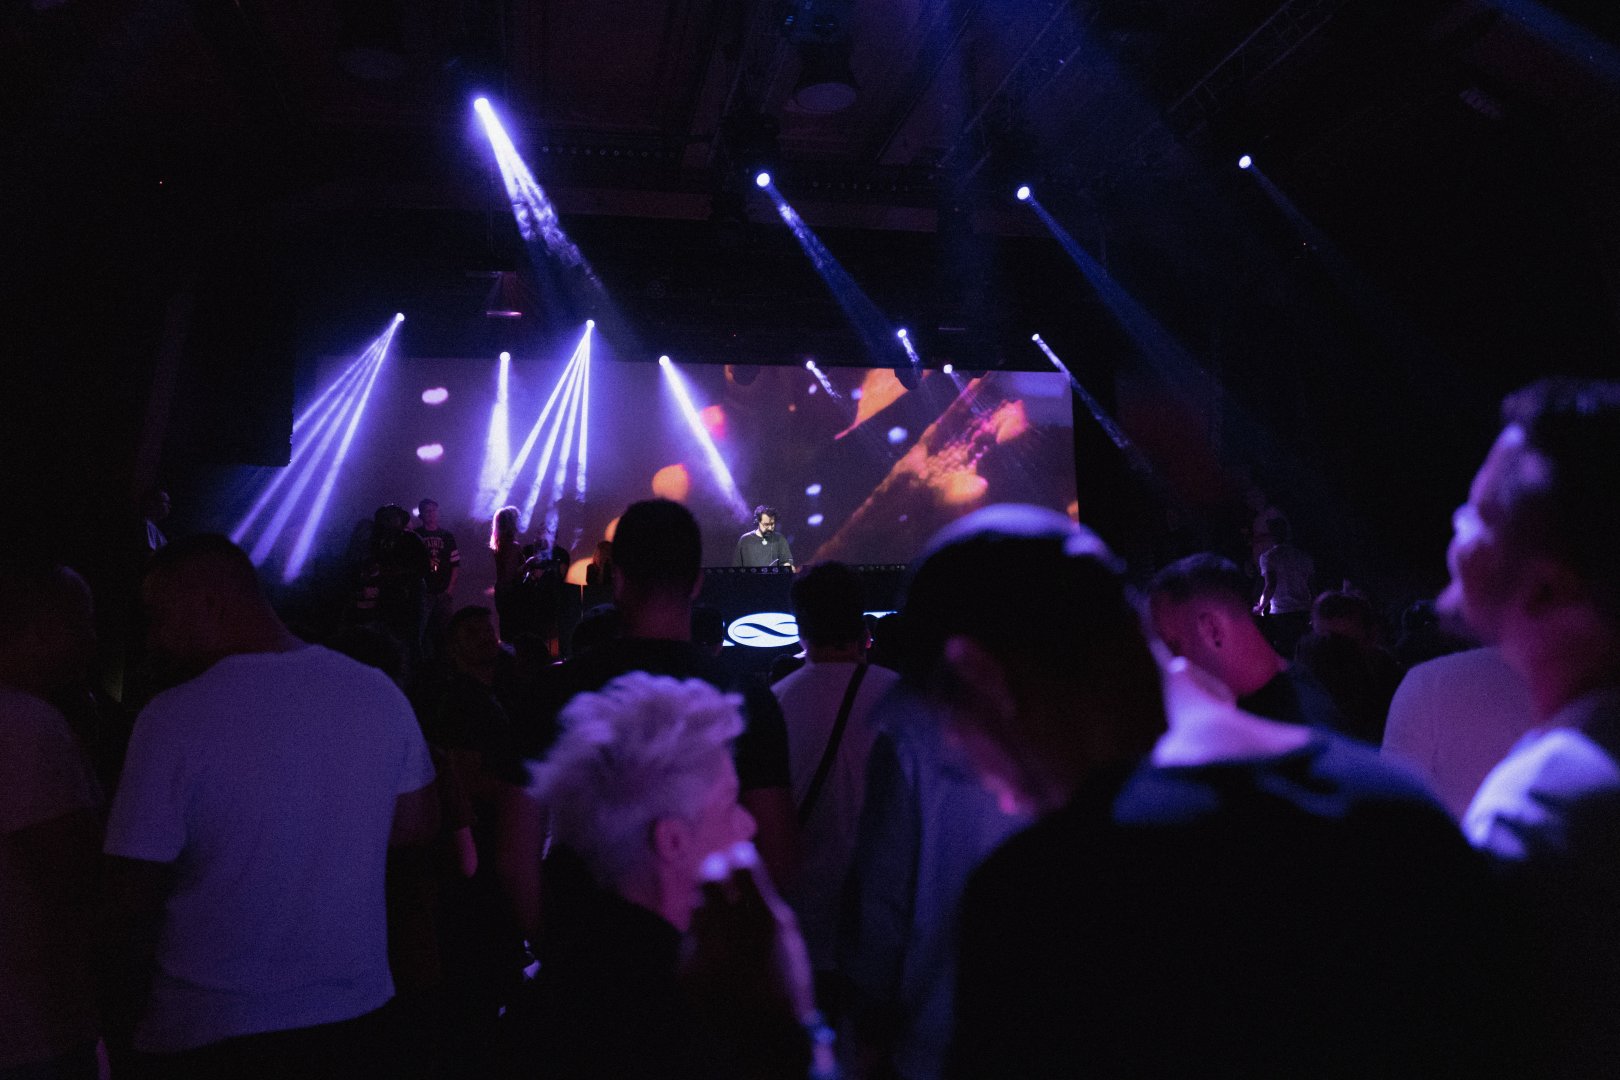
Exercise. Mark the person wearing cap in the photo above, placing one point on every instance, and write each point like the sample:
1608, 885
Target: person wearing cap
1204, 892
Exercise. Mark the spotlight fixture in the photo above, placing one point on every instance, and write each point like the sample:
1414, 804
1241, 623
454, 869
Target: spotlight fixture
481, 104
399, 316
1023, 193
1245, 161
590, 324
900, 333
947, 369
506, 356
663, 361
1036, 338
762, 179
810, 365
826, 84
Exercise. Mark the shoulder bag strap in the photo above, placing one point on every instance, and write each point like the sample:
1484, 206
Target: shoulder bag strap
833, 740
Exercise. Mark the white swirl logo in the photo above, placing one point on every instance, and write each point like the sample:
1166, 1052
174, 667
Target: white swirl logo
764, 630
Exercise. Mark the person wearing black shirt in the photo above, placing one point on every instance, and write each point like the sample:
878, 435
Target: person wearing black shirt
657, 557
444, 564
763, 546
1205, 892
1200, 610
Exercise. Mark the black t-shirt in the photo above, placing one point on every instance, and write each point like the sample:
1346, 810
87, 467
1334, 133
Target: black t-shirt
1310, 914
1293, 696
756, 550
442, 554
760, 752
607, 1001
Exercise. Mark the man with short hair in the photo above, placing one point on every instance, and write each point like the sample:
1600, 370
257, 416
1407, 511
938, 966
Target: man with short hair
828, 707
1533, 572
444, 565
1205, 892
1200, 610
657, 573
50, 828
763, 545
1284, 606
252, 824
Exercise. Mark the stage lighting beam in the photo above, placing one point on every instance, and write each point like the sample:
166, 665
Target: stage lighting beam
312, 523
509, 477
717, 464
564, 416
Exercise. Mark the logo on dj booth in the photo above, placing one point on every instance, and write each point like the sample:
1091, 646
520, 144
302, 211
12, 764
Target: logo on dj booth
764, 630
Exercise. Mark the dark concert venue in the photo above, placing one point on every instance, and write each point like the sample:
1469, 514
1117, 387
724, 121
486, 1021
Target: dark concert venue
810, 538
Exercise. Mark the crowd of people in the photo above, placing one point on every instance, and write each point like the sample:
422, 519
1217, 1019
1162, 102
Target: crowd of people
1050, 824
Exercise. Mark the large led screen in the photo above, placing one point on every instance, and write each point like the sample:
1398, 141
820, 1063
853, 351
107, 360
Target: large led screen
859, 467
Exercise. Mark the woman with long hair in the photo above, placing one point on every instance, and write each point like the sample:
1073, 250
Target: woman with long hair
507, 547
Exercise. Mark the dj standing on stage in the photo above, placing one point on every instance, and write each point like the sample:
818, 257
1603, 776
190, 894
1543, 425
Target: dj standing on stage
764, 546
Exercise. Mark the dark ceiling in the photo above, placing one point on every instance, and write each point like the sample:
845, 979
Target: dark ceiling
278, 175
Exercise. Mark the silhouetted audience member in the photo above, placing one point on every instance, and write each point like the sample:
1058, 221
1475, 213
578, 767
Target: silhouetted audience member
597, 626
828, 706
1284, 606
1533, 572
252, 826
1343, 652
1422, 638
658, 552
393, 588
1259, 900
418, 877
641, 790
708, 629
1454, 717
888, 641
1200, 611
600, 571
483, 943
926, 823
506, 548
444, 565
155, 507
50, 828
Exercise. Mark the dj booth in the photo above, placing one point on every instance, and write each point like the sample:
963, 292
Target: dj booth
757, 609
758, 612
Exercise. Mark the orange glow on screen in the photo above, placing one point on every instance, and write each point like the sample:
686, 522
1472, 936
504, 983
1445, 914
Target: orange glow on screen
671, 482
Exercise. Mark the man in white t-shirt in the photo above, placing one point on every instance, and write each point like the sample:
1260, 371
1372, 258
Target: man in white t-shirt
252, 823
827, 602
1285, 592
50, 829
1454, 718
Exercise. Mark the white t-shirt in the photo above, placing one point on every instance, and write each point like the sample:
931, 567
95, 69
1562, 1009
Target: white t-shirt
1453, 718
47, 1005
810, 698
269, 782
1289, 571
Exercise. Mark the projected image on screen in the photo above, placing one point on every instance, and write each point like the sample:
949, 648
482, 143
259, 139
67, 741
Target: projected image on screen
858, 467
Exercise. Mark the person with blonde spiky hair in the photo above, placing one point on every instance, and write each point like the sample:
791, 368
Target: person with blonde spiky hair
641, 787
640, 790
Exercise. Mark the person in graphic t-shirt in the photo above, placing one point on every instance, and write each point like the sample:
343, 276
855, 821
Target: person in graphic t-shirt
763, 546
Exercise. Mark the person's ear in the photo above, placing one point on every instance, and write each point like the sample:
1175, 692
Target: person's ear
981, 675
1209, 628
671, 839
